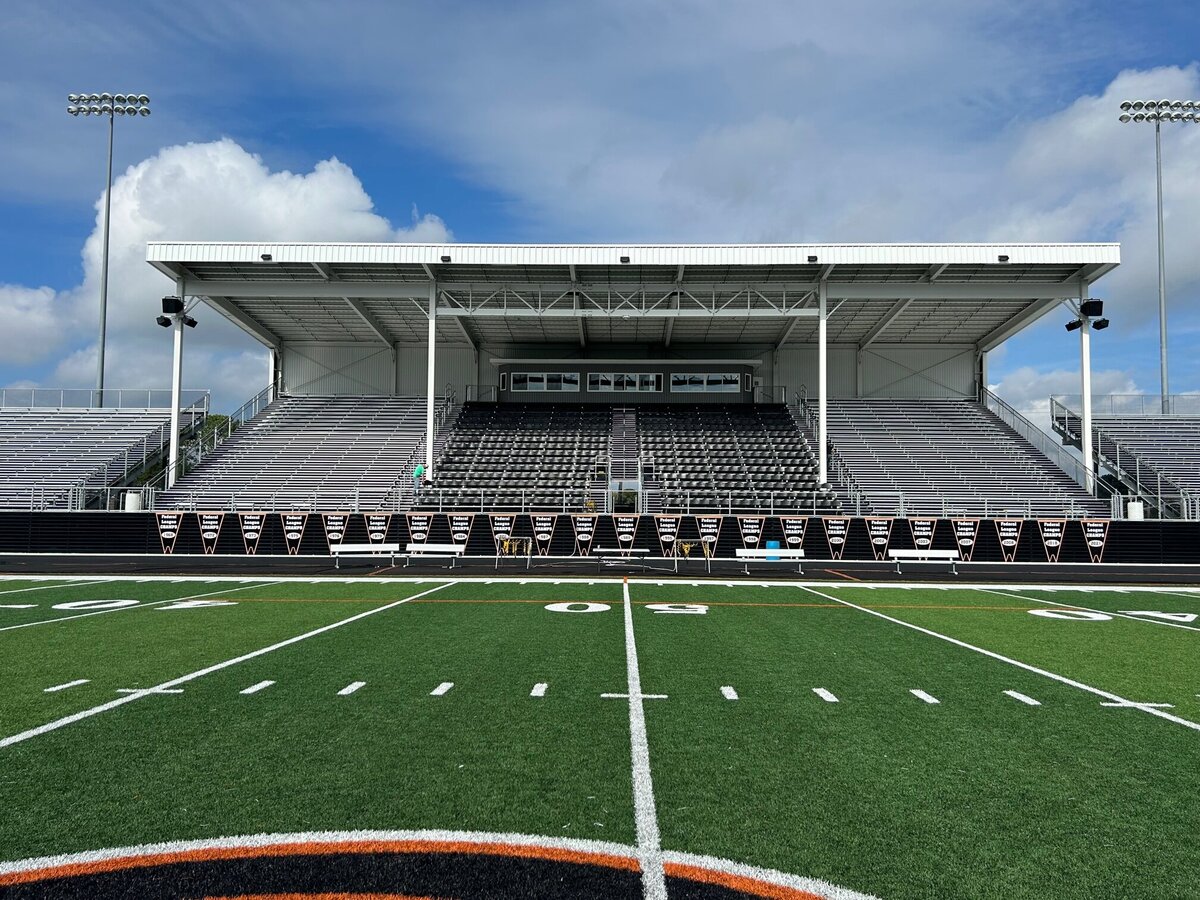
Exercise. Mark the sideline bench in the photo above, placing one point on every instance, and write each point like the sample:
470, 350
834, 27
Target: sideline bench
453, 551
950, 556
362, 551
776, 554
613, 554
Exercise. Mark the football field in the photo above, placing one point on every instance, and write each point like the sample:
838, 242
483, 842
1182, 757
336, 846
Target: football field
596, 738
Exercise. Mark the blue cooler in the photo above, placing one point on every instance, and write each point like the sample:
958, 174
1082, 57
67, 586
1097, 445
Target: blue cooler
773, 545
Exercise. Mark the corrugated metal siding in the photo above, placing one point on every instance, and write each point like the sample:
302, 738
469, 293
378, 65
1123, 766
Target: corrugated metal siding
796, 369
340, 369
454, 366
914, 372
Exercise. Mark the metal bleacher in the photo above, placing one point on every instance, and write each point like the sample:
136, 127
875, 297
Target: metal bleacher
309, 452
47, 454
520, 455
949, 457
1166, 444
730, 456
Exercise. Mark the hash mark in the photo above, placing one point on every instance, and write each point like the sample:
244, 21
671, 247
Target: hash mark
825, 695
63, 687
539, 689
729, 693
350, 688
255, 688
921, 695
441, 689
1024, 698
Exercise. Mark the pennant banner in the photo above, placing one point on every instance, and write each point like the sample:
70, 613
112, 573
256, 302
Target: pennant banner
1095, 535
418, 527
626, 527
966, 533
502, 531
1052, 531
1009, 533
922, 532
252, 525
168, 529
335, 527
210, 529
836, 529
585, 533
543, 532
793, 530
293, 530
668, 533
460, 528
377, 527
710, 533
751, 528
879, 530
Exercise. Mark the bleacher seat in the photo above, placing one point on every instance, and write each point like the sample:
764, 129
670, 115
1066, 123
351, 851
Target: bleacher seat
1166, 444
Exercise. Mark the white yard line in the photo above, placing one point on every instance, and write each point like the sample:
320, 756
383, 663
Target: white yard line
1024, 698
539, 689
255, 688
153, 603
1107, 695
928, 698
441, 689
729, 693
62, 687
149, 691
50, 587
18, 606
351, 688
1090, 609
200, 673
649, 842
825, 695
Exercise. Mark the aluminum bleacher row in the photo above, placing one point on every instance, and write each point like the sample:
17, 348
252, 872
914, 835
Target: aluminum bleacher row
948, 456
45, 453
301, 452
521, 454
736, 455
1166, 444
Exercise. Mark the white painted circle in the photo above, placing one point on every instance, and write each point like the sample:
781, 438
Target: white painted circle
578, 607
1071, 615
95, 604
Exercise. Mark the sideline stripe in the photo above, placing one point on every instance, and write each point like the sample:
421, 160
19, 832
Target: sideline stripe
50, 587
729, 693
825, 695
1024, 698
1062, 679
18, 606
63, 687
443, 688
1106, 612
255, 688
928, 698
539, 689
350, 688
101, 612
649, 842
200, 673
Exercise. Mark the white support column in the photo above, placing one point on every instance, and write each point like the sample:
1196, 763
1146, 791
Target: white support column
822, 383
1085, 360
176, 394
431, 380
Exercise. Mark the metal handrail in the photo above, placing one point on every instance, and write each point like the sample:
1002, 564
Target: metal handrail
109, 398
1149, 405
1044, 443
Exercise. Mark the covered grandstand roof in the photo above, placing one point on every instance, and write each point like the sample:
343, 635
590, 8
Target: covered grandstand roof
492, 294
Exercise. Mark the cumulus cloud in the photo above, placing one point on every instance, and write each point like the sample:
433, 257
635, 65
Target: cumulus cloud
212, 191
1029, 389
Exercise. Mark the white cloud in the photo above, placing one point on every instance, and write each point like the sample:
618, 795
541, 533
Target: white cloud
1029, 389
214, 191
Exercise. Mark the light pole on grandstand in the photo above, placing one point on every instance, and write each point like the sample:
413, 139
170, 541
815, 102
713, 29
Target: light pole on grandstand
1089, 317
175, 316
111, 106
1159, 111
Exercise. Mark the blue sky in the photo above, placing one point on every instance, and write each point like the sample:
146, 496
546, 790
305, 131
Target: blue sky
643, 120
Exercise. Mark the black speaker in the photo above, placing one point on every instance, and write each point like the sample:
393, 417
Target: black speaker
1092, 308
172, 306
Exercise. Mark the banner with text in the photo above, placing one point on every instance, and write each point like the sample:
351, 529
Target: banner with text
750, 528
836, 529
793, 531
377, 527
922, 532
585, 532
966, 535
502, 533
460, 528
710, 533
168, 529
667, 528
626, 527
1095, 535
252, 525
1008, 531
418, 527
1052, 531
879, 530
293, 530
335, 527
210, 529
543, 531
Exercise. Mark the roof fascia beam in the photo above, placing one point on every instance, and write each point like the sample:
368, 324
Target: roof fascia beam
888, 318
244, 321
944, 291
314, 290
515, 312
370, 320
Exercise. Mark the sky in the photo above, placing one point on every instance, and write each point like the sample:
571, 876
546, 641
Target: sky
624, 121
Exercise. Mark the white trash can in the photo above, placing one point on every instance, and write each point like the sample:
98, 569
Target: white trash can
133, 501
1135, 509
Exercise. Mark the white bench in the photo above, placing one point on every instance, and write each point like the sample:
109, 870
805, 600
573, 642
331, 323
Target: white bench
361, 551
950, 556
769, 554
451, 550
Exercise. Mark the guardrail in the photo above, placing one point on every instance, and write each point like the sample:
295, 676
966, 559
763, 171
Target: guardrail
110, 398
195, 451
1134, 404
1048, 446
897, 503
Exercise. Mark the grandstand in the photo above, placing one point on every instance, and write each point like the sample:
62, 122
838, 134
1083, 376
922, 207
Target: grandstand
62, 457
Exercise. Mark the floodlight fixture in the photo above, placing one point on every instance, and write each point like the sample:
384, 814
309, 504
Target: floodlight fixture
1003, 257
1100, 324
812, 259
445, 259
1168, 111
163, 321
624, 259
172, 306
265, 257
111, 106
1092, 308
189, 321
1074, 325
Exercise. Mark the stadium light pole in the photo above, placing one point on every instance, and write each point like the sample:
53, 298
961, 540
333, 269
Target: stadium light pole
175, 316
1089, 315
1159, 111
110, 105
